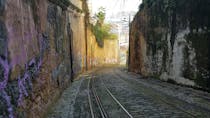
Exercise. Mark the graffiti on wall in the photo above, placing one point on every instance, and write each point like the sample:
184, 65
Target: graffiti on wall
21, 62
24, 84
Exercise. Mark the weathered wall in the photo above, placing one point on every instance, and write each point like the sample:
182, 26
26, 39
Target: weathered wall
36, 39
170, 40
77, 21
98, 56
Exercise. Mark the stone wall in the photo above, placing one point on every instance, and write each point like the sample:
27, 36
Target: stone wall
170, 40
40, 48
98, 56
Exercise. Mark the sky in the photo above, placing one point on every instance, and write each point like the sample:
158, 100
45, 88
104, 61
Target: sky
114, 6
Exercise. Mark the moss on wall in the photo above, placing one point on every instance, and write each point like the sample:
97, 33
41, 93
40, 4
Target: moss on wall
185, 23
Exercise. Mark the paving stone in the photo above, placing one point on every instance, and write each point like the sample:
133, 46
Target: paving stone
139, 97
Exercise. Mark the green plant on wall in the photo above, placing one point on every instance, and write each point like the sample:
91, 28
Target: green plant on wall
101, 29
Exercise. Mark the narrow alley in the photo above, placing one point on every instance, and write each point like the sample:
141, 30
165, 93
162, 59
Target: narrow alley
104, 58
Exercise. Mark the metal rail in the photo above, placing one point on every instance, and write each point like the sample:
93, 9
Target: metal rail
89, 100
117, 101
92, 89
99, 104
103, 113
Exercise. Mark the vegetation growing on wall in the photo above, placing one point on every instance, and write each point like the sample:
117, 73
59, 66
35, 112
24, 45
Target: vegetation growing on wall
101, 29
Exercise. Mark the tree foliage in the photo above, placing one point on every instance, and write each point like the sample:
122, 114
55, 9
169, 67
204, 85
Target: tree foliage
101, 29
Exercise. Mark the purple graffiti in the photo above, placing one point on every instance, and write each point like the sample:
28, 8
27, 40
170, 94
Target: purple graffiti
37, 66
6, 67
22, 82
27, 77
8, 101
33, 61
22, 89
3, 84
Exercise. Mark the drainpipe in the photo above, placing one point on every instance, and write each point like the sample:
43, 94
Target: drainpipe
86, 43
70, 35
85, 10
129, 45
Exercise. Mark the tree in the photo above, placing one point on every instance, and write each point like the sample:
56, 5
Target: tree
101, 29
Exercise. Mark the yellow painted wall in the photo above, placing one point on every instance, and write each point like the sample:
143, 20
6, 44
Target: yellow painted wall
98, 56
78, 40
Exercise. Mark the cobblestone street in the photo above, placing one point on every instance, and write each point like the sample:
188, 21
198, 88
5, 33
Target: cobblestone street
137, 97
104, 59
